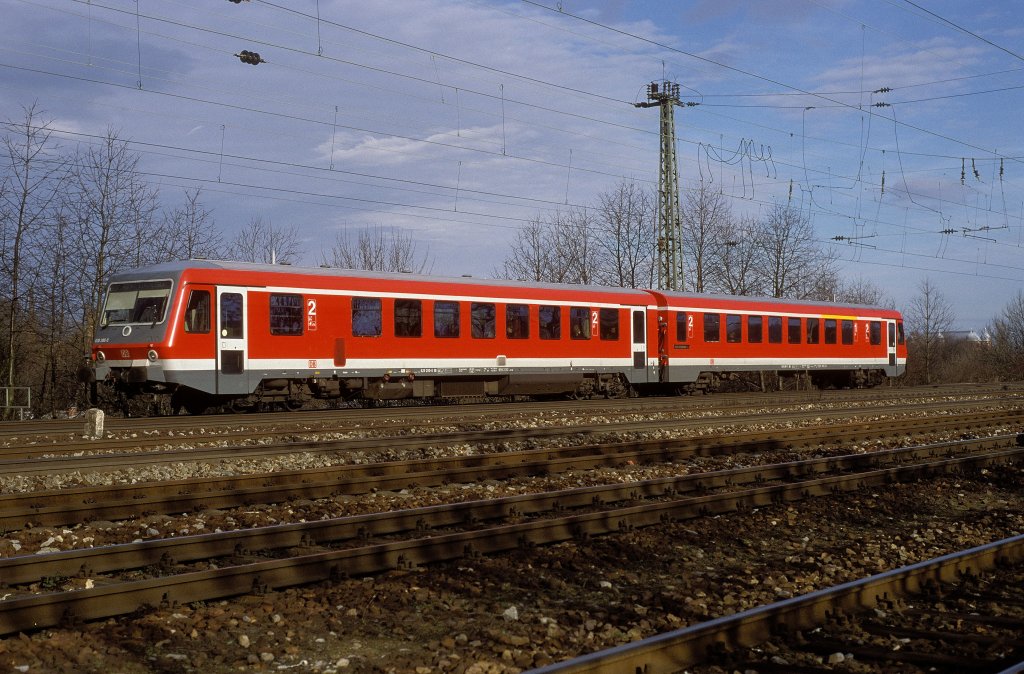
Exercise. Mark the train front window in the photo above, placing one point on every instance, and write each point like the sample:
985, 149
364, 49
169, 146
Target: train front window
136, 302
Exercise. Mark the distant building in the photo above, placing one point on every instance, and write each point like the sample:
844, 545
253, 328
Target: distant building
969, 336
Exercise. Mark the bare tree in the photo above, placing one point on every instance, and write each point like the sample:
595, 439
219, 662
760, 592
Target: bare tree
625, 249
574, 244
704, 217
928, 317
376, 249
734, 263
792, 262
187, 231
28, 196
530, 257
111, 208
260, 241
863, 291
59, 337
558, 249
1007, 339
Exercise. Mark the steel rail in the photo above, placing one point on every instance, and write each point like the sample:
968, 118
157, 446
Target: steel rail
78, 504
103, 601
25, 569
70, 505
38, 465
25, 447
685, 647
487, 410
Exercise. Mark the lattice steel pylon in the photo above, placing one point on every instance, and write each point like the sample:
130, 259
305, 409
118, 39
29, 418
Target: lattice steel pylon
665, 95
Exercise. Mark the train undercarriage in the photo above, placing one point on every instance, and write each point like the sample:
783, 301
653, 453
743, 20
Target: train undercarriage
140, 398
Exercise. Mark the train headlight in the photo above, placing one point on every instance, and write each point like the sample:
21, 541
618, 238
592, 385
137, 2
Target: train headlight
100, 357
152, 356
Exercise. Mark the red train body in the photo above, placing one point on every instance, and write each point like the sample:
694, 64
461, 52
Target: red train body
212, 333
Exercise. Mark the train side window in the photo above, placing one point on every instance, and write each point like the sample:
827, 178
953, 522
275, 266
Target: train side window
899, 331
733, 328
681, 326
755, 328
286, 314
712, 327
609, 324
366, 317
775, 329
483, 320
813, 330
848, 332
197, 313
876, 332
408, 318
550, 322
446, 319
793, 330
579, 322
517, 321
830, 331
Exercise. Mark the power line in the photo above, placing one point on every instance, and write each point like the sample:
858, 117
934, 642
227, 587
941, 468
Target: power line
964, 30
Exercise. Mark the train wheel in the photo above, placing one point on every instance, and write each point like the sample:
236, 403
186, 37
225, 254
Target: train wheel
293, 404
239, 406
617, 389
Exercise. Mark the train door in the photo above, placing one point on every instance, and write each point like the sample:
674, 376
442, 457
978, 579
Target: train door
231, 376
892, 343
639, 344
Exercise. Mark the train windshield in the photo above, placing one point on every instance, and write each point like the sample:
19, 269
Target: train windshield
136, 302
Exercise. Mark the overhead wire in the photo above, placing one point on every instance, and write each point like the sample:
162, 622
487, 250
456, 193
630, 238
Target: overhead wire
574, 165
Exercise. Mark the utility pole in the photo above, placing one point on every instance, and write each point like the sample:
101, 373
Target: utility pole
665, 95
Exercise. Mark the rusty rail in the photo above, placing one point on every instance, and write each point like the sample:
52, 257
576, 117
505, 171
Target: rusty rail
679, 649
108, 600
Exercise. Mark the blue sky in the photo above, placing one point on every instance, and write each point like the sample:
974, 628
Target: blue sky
457, 122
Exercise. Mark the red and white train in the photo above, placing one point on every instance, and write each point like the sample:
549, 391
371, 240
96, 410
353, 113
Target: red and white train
228, 334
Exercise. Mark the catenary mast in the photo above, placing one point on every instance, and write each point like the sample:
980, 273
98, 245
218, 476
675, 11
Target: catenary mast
665, 95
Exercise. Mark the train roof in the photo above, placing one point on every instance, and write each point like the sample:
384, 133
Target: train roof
175, 269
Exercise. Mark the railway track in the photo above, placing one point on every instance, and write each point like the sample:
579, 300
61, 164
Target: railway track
78, 504
956, 613
66, 434
100, 455
485, 528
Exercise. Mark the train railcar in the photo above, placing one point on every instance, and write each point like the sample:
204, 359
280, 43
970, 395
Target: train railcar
705, 339
242, 336
222, 333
